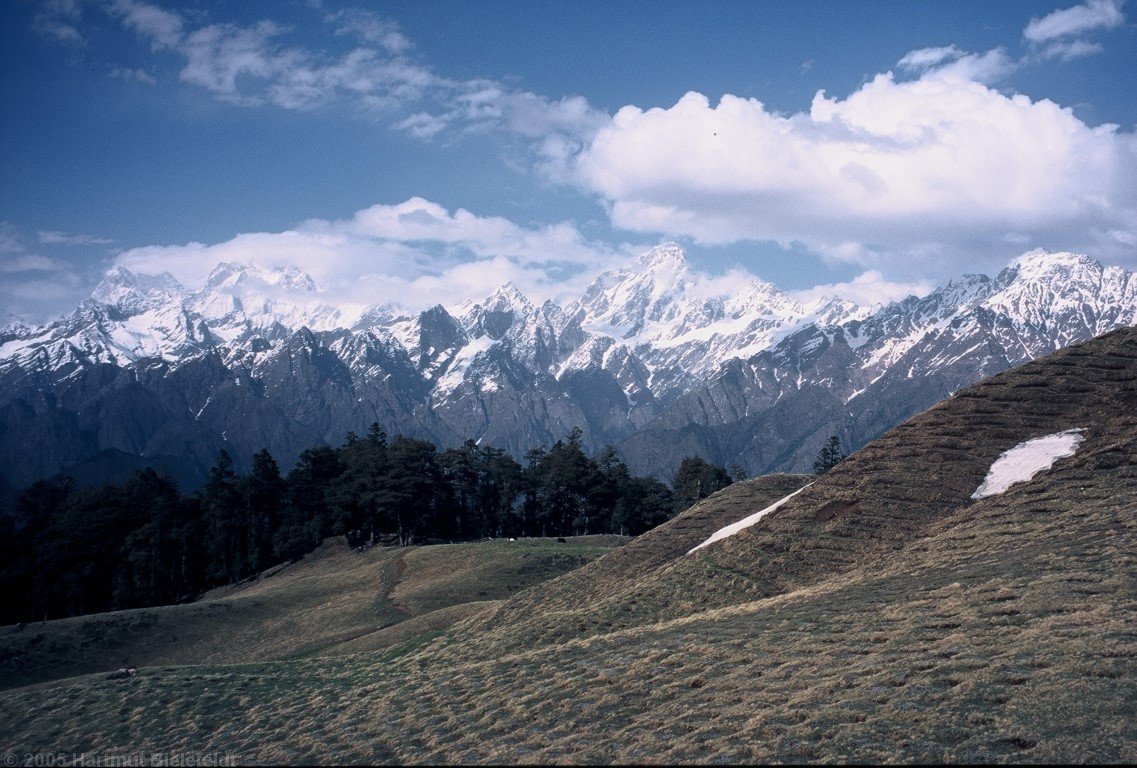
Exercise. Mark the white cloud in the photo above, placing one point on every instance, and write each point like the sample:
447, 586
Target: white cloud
36, 296
59, 20
15, 256
913, 174
989, 67
1068, 51
9, 239
1091, 15
413, 254
29, 263
62, 238
953, 63
866, 289
925, 58
33, 286
162, 27
369, 28
252, 66
134, 75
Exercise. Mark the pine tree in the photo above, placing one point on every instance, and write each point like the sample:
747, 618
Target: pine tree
263, 492
829, 456
695, 480
226, 537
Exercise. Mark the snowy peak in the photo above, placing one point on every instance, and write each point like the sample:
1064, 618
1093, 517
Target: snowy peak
833, 310
504, 309
660, 327
251, 276
239, 301
132, 293
507, 295
1041, 262
1064, 295
665, 256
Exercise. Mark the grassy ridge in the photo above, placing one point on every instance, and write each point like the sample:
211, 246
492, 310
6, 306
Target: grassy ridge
335, 600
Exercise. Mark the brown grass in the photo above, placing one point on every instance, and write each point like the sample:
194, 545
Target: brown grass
335, 600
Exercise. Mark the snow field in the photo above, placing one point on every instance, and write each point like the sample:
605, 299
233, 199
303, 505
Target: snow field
745, 522
1026, 460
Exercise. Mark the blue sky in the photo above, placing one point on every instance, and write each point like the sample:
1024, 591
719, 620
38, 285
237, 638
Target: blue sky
417, 151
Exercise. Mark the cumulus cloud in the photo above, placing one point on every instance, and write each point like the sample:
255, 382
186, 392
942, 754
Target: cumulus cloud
866, 289
913, 174
413, 254
1089, 16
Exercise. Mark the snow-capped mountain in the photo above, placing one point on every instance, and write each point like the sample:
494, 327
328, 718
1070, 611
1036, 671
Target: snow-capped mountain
681, 325
656, 358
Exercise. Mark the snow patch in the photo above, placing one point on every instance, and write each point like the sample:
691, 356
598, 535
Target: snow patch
1026, 460
456, 374
746, 522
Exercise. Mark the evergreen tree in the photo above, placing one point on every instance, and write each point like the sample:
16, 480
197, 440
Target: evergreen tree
226, 534
67, 552
534, 514
564, 480
357, 494
459, 468
695, 480
26, 592
307, 516
608, 488
154, 556
829, 456
413, 494
500, 487
645, 503
263, 491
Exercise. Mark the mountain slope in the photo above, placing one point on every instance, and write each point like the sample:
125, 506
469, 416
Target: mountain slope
334, 601
882, 614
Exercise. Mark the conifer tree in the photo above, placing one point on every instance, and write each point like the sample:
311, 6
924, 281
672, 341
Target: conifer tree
829, 456
696, 479
263, 492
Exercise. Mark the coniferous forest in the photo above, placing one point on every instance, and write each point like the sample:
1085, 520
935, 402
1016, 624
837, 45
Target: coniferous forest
67, 551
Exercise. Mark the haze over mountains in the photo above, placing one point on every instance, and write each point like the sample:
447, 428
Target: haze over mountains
657, 359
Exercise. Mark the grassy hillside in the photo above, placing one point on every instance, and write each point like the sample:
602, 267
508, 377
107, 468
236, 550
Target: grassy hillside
333, 601
880, 615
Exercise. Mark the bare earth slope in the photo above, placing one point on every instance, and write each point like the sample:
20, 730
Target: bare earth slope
880, 615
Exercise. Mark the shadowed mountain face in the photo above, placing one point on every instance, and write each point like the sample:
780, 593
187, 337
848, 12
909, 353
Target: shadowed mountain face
880, 614
655, 359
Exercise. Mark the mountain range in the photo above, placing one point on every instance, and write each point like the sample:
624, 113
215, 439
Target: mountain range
657, 359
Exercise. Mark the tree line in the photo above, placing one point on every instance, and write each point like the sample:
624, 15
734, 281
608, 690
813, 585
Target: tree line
66, 551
